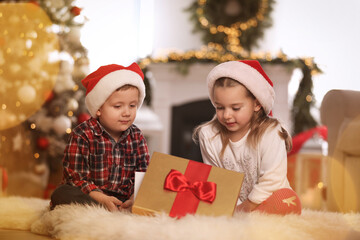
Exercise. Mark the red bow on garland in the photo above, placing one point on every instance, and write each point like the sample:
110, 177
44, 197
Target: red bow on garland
175, 181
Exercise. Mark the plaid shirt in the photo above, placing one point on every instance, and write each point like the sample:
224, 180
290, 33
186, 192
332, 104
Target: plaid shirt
94, 161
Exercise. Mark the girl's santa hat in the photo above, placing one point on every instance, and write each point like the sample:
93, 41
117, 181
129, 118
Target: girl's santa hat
251, 75
106, 79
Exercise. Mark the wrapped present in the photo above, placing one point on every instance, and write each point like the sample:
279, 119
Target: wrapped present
179, 186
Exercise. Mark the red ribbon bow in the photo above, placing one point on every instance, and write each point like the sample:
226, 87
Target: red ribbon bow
175, 181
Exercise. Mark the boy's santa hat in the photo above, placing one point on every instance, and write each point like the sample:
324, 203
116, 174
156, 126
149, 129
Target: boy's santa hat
251, 75
106, 79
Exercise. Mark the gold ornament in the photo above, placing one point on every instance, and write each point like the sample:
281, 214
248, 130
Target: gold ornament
28, 61
72, 104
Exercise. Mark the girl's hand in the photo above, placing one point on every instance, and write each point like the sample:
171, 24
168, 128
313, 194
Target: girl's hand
246, 206
110, 202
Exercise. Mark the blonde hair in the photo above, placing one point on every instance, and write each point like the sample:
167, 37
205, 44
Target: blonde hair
258, 124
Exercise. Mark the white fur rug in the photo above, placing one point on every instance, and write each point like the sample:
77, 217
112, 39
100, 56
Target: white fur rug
95, 223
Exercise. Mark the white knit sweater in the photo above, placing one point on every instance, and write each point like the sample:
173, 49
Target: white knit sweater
265, 168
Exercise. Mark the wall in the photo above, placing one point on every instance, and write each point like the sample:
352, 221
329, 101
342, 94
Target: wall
324, 29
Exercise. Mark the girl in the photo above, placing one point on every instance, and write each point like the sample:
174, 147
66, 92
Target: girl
243, 138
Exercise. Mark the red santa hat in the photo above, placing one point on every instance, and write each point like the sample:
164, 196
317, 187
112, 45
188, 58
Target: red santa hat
251, 75
106, 79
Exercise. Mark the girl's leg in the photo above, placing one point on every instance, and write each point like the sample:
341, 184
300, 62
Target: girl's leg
283, 201
66, 194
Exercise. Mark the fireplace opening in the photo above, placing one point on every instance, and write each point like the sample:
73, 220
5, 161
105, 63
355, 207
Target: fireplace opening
184, 119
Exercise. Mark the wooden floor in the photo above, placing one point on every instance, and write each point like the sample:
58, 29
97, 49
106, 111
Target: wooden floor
21, 235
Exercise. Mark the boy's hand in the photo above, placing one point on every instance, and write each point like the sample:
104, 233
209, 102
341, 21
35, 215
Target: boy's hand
126, 206
110, 202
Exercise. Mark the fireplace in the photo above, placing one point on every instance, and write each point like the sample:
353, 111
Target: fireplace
184, 119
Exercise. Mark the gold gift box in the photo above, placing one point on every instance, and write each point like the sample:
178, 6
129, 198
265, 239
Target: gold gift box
152, 198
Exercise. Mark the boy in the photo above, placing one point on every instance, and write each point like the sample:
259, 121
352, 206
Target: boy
104, 152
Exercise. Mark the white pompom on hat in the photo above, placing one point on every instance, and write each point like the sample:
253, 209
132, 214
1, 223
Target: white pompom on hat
251, 75
106, 79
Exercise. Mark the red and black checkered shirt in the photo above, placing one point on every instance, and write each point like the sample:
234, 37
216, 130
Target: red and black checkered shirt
94, 161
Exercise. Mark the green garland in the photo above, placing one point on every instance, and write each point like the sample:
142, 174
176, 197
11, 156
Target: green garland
215, 12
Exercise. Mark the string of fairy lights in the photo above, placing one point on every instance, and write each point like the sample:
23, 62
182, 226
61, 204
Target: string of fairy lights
233, 32
236, 27
213, 52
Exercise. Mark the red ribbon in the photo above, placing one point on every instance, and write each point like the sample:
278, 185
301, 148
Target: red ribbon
175, 181
190, 187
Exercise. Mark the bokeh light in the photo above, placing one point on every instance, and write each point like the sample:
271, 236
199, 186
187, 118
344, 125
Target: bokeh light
28, 62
